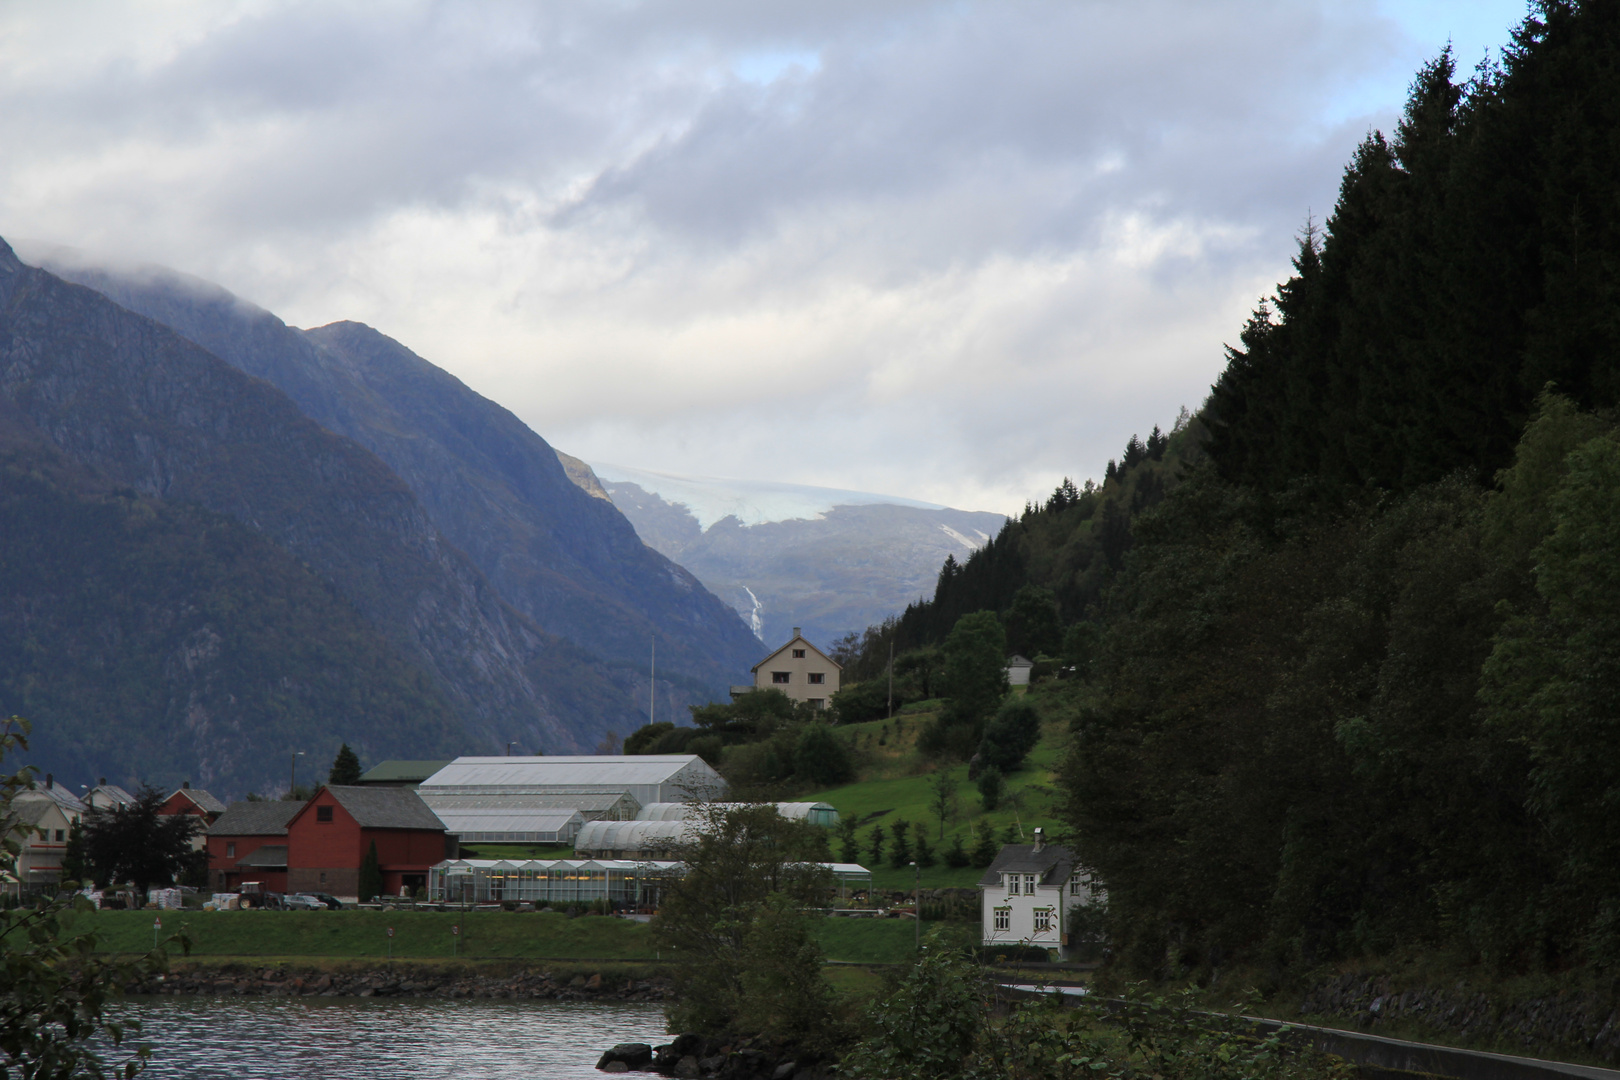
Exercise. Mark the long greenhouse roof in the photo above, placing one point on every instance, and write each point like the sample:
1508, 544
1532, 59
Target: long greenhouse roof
588, 771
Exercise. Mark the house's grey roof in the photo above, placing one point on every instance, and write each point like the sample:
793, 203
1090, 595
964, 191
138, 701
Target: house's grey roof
61, 796
402, 772
386, 807
1053, 863
798, 639
255, 819
28, 812
590, 772
1016, 660
204, 801
111, 794
269, 856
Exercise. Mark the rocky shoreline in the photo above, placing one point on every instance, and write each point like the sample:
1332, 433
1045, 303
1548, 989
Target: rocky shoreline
401, 982
724, 1057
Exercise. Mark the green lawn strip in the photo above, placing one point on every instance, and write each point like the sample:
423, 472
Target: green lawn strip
289, 936
363, 934
882, 941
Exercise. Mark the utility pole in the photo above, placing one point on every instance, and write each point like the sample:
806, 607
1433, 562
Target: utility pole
652, 682
916, 904
292, 780
891, 678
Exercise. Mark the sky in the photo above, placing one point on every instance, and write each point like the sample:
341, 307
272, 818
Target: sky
947, 251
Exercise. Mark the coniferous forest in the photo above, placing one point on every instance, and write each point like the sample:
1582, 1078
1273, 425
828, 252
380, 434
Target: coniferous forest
1345, 643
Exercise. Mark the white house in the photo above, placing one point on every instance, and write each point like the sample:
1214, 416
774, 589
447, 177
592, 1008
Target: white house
1018, 669
1028, 893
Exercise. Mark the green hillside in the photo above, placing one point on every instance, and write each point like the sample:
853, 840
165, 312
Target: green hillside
895, 781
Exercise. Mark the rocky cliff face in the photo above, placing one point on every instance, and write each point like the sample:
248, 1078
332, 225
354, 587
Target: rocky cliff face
490, 485
146, 408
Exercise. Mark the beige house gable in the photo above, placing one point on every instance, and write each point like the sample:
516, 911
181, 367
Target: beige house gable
801, 671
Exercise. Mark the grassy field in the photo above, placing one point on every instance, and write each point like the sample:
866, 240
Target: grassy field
497, 935
896, 783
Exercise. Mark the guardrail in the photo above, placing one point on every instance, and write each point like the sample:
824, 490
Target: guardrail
1381, 1057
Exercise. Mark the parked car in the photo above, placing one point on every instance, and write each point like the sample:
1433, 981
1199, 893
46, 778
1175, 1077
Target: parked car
327, 899
301, 902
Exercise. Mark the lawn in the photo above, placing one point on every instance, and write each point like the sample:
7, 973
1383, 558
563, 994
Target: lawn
497, 935
352, 934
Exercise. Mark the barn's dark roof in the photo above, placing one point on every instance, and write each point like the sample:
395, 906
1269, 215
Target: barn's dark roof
255, 819
1052, 863
268, 857
386, 807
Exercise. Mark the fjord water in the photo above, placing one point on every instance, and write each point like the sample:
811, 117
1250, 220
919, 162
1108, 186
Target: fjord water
225, 1039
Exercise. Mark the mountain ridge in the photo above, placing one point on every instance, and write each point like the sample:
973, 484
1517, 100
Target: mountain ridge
492, 486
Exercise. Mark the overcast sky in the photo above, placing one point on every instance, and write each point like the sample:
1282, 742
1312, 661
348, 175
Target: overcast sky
951, 251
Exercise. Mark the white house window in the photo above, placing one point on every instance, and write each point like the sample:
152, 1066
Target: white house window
798, 654
1074, 885
1012, 884
1029, 884
818, 702
1043, 920
1003, 918
818, 677
780, 676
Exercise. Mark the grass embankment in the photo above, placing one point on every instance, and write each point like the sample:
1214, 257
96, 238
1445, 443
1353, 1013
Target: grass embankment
895, 781
425, 935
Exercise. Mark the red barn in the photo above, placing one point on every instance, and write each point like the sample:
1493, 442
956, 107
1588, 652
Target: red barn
330, 835
249, 843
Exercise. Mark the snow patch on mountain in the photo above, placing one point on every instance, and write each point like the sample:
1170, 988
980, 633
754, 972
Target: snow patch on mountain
752, 502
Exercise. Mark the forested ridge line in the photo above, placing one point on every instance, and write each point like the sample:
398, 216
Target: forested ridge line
1346, 643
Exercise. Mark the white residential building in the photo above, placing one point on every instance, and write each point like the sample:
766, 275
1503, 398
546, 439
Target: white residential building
1028, 893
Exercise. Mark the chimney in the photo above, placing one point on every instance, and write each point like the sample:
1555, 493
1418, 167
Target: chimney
1040, 838
102, 782
795, 631
185, 784
50, 781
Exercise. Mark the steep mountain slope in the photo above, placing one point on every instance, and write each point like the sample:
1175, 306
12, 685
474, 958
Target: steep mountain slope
147, 409
492, 486
788, 555
153, 640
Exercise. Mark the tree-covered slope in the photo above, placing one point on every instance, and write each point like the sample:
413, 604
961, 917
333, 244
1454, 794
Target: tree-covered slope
1348, 692
157, 641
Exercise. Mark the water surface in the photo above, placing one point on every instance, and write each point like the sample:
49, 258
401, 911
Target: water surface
429, 1039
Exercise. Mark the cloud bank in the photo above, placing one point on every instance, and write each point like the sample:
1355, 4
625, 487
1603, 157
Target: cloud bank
954, 251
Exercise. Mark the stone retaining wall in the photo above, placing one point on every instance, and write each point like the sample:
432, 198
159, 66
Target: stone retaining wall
1540, 1025
401, 981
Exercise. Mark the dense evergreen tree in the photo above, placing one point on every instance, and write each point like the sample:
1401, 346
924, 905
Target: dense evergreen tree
345, 767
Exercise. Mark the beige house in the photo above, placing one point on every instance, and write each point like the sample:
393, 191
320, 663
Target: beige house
43, 827
800, 670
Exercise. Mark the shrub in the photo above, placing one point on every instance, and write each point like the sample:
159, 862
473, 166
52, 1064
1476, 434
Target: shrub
990, 788
1010, 737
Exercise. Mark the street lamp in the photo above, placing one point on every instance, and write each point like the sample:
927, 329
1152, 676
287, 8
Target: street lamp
292, 782
916, 904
